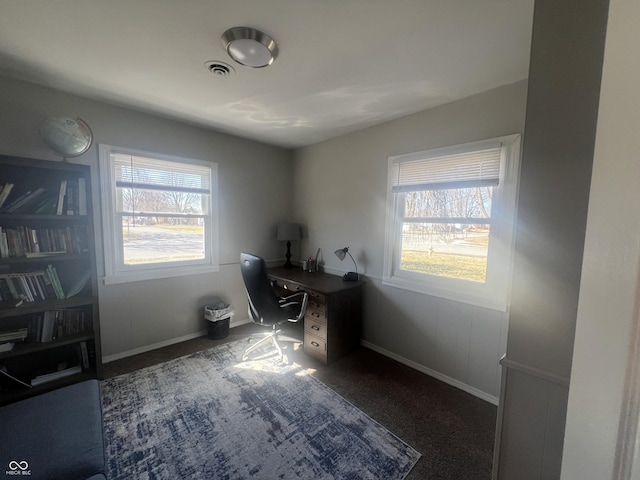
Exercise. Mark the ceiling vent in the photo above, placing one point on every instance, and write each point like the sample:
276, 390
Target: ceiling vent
219, 69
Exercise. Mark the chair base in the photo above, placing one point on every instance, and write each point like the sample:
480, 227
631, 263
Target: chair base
273, 337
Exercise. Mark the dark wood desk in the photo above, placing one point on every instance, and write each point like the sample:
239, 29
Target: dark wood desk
334, 312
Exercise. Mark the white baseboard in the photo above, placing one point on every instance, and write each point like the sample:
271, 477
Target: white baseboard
148, 348
237, 323
166, 343
432, 373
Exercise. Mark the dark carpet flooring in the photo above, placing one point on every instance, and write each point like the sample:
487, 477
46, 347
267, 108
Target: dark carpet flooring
453, 430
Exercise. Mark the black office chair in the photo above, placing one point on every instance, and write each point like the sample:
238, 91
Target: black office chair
265, 307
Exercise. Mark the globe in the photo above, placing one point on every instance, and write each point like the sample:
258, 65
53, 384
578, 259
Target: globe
66, 136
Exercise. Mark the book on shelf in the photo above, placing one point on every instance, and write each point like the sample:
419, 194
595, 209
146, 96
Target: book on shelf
24, 201
72, 198
25, 241
4, 244
50, 377
58, 324
14, 335
48, 321
27, 288
69, 197
4, 192
31, 286
75, 202
55, 281
44, 254
61, 195
19, 199
47, 205
82, 196
48, 285
84, 355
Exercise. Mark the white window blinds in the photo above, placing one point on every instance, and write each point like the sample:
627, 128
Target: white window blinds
152, 174
455, 170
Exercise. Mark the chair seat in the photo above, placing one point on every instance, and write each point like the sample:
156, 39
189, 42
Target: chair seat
59, 433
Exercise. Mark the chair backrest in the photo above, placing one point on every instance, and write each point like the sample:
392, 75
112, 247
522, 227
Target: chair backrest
264, 305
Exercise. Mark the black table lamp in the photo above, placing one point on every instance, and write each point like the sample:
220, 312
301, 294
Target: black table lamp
288, 232
349, 276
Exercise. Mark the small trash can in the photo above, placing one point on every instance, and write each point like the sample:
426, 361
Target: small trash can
219, 316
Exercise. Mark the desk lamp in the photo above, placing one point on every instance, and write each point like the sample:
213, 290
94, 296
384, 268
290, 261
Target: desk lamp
288, 232
349, 276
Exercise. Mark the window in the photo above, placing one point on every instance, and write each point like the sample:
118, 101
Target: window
159, 215
450, 221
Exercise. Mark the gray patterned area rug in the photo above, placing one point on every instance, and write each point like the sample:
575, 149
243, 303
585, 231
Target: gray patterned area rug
210, 416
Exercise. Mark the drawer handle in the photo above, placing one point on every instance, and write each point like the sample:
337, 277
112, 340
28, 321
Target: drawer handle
315, 344
315, 327
314, 314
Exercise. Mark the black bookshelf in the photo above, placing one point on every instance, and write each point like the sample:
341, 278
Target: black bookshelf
48, 282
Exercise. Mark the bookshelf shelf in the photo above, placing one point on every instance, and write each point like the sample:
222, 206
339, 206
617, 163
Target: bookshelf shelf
48, 282
28, 217
28, 348
70, 257
35, 307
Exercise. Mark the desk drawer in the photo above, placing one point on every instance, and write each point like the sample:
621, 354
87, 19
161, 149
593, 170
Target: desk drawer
316, 347
317, 316
289, 286
313, 304
315, 328
317, 297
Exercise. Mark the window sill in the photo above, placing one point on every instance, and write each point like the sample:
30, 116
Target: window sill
158, 274
461, 293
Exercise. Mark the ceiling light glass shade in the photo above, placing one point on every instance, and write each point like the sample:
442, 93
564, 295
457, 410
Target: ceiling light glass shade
250, 47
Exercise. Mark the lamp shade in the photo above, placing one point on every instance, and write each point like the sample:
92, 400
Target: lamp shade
341, 253
288, 231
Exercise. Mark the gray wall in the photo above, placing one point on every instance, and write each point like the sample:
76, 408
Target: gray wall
340, 196
562, 108
138, 315
602, 435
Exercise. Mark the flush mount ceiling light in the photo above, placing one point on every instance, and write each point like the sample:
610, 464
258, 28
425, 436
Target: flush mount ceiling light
250, 47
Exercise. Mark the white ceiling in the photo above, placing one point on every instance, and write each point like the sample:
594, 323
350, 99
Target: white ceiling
343, 65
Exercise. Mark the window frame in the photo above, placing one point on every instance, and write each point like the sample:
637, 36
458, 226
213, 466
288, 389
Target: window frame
116, 271
494, 292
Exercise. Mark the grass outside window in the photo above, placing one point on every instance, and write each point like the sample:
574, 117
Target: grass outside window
464, 267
